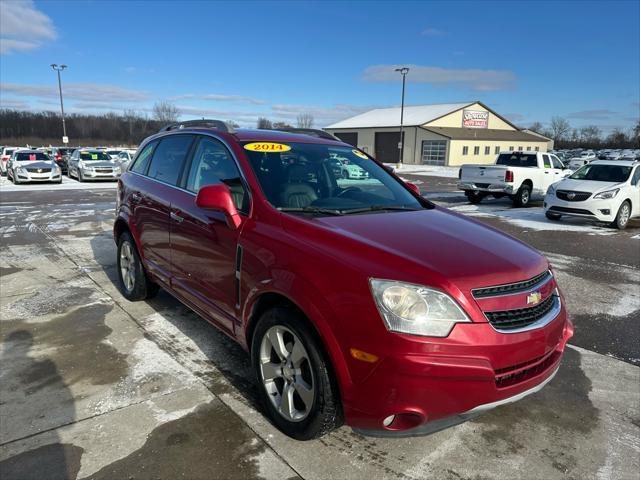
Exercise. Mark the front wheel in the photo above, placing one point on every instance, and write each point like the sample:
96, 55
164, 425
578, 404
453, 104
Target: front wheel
296, 386
623, 216
522, 196
80, 176
474, 197
132, 278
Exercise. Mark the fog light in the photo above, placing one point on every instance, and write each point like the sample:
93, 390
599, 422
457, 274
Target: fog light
605, 211
389, 420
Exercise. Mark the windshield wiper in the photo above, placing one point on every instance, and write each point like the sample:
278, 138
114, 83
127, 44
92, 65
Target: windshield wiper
311, 209
377, 208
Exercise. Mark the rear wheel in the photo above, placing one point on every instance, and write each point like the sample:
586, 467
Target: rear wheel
296, 386
522, 197
623, 216
474, 197
552, 216
133, 280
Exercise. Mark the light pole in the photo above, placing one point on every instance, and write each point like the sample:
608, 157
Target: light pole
64, 127
403, 71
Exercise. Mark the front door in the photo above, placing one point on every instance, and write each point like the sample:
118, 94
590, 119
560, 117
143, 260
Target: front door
204, 249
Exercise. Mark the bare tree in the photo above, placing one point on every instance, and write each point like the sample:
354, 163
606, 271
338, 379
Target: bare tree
590, 134
279, 125
537, 127
264, 124
304, 120
560, 128
233, 124
165, 112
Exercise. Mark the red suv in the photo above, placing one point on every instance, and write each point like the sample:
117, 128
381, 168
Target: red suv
358, 300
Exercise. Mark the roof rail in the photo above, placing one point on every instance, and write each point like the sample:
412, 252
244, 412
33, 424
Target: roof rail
314, 132
204, 123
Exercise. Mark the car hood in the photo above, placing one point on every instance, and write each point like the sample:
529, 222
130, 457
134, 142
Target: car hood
101, 163
450, 246
585, 185
35, 163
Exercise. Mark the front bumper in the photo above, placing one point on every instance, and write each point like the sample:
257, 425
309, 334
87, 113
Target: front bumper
491, 187
475, 369
93, 175
601, 210
38, 177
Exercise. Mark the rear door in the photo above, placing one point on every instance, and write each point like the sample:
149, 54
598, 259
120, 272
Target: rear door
158, 170
204, 250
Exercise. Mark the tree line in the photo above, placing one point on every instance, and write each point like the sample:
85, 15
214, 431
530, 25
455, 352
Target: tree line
590, 136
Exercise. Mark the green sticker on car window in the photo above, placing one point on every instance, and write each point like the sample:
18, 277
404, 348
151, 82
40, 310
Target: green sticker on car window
94, 156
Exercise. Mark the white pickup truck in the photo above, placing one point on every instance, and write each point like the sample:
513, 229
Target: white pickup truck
518, 175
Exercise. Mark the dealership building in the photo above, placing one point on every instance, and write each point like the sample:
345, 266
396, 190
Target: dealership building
442, 134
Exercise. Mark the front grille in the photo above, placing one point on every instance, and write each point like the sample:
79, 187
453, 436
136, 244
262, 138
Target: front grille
578, 211
103, 170
570, 196
521, 317
511, 287
506, 377
38, 170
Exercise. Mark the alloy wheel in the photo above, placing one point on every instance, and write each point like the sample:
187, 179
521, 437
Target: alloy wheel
286, 373
127, 266
624, 214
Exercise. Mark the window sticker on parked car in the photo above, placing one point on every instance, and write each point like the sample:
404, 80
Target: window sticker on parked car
267, 147
94, 156
32, 156
360, 154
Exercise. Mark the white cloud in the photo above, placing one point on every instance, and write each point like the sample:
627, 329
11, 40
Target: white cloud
76, 91
23, 27
214, 97
602, 114
471, 78
13, 104
322, 115
432, 32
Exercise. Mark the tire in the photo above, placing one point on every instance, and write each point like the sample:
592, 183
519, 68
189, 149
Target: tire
623, 216
132, 279
522, 198
80, 176
552, 216
474, 197
312, 414
345, 174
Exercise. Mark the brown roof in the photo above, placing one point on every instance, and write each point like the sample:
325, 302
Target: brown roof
484, 134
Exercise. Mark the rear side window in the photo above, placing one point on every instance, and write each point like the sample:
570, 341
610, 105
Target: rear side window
168, 158
142, 162
547, 161
517, 159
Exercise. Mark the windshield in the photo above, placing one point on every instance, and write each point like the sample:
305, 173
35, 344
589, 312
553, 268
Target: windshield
92, 156
325, 179
26, 156
517, 159
603, 173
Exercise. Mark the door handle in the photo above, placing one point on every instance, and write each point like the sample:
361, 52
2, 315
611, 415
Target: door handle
176, 217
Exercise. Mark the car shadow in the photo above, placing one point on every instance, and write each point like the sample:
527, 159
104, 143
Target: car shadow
209, 352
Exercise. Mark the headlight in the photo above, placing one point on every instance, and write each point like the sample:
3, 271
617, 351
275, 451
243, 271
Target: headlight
414, 309
552, 189
21, 170
56, 169
116, 169
608, 194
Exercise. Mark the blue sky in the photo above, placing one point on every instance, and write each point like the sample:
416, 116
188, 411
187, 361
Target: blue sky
239, 60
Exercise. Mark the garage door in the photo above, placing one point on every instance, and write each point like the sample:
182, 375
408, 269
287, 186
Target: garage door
434, 152
348, 137
387, 146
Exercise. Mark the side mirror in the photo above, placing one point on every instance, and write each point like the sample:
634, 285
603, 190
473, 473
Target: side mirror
218, 198
413, 187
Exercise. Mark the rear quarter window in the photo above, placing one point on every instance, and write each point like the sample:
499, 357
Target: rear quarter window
142, 161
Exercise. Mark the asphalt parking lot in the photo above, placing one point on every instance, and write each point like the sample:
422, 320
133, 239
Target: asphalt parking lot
93, 386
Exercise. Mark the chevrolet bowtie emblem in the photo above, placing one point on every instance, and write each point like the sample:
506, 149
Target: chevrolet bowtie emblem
534, 298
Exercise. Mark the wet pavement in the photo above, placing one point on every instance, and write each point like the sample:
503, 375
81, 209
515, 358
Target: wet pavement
93, 386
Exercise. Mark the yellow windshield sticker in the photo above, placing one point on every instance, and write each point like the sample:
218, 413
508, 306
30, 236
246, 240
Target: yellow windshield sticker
267, 147
359, 154
94, 156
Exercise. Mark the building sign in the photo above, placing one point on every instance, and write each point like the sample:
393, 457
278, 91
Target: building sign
475, 119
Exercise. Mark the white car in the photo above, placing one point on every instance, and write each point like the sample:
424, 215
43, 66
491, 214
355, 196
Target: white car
32, 166
5, 154
604, 190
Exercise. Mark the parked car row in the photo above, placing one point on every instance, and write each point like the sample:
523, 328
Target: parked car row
83, 163
602, 190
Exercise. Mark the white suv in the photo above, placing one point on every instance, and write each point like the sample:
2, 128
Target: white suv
607, 191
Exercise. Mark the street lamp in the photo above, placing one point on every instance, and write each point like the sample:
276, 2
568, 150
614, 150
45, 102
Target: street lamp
64, 127
403, 71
